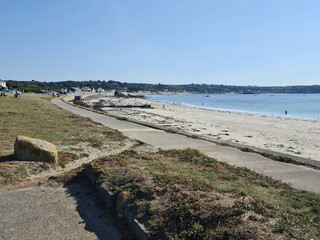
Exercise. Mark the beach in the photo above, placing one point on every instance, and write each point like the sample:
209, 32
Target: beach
296, 137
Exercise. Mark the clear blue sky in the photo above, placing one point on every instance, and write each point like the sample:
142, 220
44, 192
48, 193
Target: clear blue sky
258, 42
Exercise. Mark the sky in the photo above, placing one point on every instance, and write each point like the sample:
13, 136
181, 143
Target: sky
231, 42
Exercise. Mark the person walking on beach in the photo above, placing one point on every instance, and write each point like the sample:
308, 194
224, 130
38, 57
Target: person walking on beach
286, 112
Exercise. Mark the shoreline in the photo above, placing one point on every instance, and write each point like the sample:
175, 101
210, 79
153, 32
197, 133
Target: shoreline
251, 113
186, 105
295, 137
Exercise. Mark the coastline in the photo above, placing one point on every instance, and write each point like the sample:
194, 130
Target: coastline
265, 112
249, 113
297, 137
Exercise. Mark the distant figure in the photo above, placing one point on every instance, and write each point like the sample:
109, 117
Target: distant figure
286, 112
17, 94
202, 104
163, 106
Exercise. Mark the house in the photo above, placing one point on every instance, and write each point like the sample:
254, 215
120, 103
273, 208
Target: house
3, 84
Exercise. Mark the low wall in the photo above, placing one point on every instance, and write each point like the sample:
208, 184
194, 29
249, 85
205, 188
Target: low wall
118, 205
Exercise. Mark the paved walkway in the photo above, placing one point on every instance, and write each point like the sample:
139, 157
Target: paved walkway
298, 176
53, 212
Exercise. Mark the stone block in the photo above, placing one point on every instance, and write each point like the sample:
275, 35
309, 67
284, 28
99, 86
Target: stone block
32, 149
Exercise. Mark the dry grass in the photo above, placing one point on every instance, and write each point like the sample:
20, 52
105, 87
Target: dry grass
183, 194
34, 115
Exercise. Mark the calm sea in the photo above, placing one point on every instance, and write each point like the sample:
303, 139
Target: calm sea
297, 105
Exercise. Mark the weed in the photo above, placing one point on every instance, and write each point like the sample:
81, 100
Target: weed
284, 159
223, 144
44, 166
96, 168
280, 227
122, 118
231, 234
5, 175
84, 155
169, 130
246, 149
195, 136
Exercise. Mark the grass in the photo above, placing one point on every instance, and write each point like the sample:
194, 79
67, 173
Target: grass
169, 130
122, 118
285, 159
275, 158
246, 149
66, 157
34, 115
183, 194
195, 136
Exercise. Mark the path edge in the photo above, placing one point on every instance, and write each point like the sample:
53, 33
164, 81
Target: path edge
112, 203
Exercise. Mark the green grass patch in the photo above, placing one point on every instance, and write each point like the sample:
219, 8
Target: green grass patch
246, 149
284, 159
122, 118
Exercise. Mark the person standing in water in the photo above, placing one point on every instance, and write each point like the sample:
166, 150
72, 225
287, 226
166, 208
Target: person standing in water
286, 112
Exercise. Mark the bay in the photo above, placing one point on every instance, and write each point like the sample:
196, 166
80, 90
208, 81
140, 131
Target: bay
305, 106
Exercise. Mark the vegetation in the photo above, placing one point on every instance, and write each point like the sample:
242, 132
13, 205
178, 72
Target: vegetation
284, 159
28, 86
275, 158
246, 149
34, 115
183, 194
31, 86
170, 130
122, 118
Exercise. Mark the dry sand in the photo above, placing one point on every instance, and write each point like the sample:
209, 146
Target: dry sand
291, 136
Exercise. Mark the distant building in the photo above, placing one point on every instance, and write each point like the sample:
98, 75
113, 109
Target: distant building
100, 90
3, 84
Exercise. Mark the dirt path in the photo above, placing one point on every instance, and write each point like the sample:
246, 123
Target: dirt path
76, 164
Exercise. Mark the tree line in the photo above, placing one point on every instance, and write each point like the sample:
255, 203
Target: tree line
33, 86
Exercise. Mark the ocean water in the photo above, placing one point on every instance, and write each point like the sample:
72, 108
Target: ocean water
304, 106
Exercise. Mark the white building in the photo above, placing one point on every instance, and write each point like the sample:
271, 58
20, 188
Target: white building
3, 84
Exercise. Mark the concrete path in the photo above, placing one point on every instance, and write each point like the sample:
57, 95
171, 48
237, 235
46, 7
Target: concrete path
53, 212
298, 176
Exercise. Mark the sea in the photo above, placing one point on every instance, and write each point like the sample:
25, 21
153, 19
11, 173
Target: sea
298, 106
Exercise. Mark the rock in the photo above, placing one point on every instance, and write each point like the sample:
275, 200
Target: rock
122, 203
31, 149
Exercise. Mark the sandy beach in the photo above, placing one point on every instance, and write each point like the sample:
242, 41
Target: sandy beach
292, 136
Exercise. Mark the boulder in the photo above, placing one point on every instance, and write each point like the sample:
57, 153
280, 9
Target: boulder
31, 149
